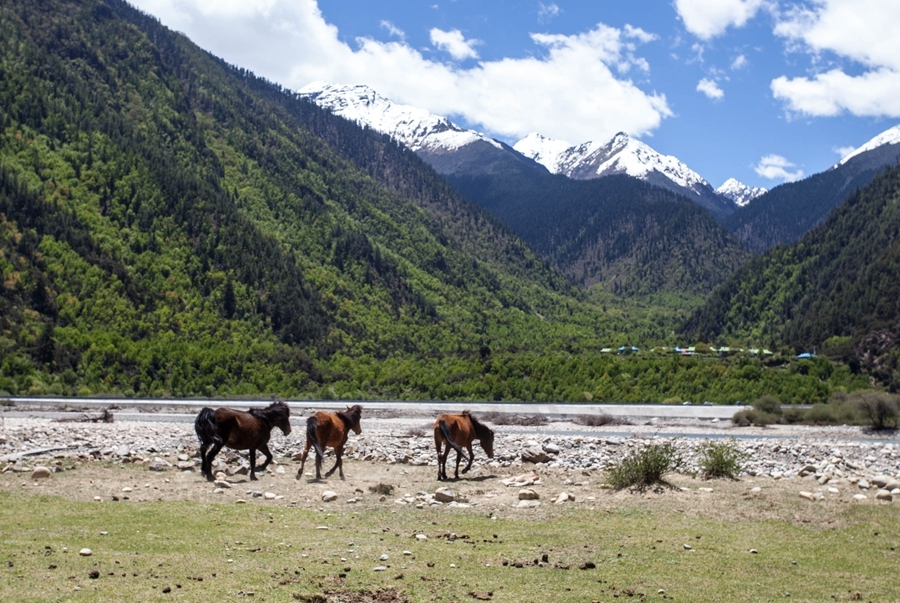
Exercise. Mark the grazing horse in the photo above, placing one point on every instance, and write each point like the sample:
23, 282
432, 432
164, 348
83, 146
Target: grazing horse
458, 431
241, 430
325, 429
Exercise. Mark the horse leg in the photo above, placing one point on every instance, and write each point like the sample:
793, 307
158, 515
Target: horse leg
265, 450
203, 469
319, 460
253, 464
471, 456
213, 451
303, 461
443, 461
338, 464
440, 474
459, 455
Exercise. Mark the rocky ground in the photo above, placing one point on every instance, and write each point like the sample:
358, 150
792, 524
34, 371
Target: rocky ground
393, 461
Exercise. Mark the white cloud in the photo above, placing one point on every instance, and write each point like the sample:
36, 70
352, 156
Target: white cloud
454, 43
711, 89
739, 62
707, 19
546, 12
843, 151
861, 31
776, 167
394, 30
572, 87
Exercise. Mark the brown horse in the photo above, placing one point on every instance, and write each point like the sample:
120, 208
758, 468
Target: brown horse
458, 431
241, 430
325, 429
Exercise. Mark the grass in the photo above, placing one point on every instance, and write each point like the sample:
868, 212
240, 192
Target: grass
213, 552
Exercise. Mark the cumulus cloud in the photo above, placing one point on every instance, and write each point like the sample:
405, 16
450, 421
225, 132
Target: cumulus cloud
843, 151
707, 19
862, 32
454, 43
711, 89
571, 87
776, 167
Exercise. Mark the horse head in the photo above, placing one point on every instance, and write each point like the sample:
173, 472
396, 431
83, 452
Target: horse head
355, 413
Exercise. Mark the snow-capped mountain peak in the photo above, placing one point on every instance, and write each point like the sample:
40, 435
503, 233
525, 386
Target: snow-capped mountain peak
413, 127
739, 192
890, 136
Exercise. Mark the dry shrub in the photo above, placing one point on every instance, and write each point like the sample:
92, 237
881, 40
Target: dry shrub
380, 488
505, 418
645, 468
599, 420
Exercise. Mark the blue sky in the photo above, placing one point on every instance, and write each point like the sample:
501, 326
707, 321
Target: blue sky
760, 90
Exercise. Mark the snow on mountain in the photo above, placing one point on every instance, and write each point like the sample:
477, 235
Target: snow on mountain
890, 136
621, 155
413, 127
739, 192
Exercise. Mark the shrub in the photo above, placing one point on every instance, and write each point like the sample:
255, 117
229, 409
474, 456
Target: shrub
751, 416
505, 418
769, 405
599, 420
380, 488
644, 468
837, 411
880, 408
722, 459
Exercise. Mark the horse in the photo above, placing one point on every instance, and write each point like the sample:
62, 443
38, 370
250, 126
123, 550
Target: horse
240, 430
458, 431
325, 429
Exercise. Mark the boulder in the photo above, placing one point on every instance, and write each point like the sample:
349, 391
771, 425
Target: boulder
528, 494
328, 496
444, 495
535, 455
40, 473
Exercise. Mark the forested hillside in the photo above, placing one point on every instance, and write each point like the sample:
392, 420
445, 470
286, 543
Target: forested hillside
787, 212
172, 223
617, 232
837, 289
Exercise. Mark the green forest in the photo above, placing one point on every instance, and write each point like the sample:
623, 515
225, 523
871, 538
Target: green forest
171, 225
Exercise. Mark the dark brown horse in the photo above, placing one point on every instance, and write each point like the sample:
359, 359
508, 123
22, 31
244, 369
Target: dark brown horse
241, 430
325, 429
458, 431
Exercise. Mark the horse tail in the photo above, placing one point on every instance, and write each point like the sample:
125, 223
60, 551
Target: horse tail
312, 425
205, 425
445, 431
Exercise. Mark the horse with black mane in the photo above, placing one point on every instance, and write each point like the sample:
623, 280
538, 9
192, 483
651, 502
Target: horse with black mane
458, 431
240, 430
325, 429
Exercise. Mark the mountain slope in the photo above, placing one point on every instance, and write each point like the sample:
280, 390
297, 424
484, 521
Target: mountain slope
837, 287
172, 224
624, 155
616, 232
787, 212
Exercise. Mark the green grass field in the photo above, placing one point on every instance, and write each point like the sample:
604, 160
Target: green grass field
188, 551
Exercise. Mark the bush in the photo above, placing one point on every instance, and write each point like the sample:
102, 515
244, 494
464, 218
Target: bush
599, 420
505, 418
751, 416
769, 405
881, 409
383, 489
644, 468
722, 459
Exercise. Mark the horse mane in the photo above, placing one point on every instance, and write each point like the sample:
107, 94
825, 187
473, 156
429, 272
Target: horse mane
273, 414
351, 416
481, 430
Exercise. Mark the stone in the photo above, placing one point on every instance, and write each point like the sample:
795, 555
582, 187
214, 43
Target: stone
859, 497
807, 495
863, 484
535, 455
221, 483
40, 473
687, 547
551, 448
269, 495
879, 481
421, 537
528, 504
85, 552
884, 495
528, 494
379, 568
384, 557
329, 495
444, 495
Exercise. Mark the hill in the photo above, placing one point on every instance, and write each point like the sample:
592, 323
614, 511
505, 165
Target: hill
174, 224
787, 212
615, 232
835, 290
